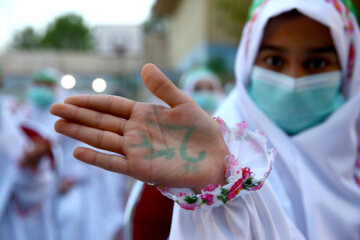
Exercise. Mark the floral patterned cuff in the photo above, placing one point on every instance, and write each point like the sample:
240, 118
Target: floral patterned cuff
245, 174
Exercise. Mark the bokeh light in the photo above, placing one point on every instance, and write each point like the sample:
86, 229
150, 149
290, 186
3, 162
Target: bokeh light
68, 82
99, 85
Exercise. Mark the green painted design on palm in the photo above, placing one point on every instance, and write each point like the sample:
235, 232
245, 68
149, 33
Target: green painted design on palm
169, 153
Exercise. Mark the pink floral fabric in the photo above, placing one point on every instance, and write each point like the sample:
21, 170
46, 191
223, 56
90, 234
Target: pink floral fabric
241, 179
345, 13
357, 169
357, 161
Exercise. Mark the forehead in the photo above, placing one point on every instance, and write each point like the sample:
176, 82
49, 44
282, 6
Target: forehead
44, 83
204, 83
295, 30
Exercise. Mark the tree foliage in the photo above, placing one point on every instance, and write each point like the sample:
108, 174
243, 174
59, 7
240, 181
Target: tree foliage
27, 39
67, 32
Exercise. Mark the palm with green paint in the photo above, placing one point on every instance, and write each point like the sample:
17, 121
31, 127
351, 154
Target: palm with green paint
180, 146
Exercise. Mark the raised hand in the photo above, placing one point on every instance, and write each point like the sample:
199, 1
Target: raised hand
31, 158
180, 146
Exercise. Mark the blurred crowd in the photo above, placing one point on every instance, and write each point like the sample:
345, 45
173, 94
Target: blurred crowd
47, 194
297, 74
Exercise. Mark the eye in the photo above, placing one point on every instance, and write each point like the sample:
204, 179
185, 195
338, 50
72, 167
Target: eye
274, 61
316, 64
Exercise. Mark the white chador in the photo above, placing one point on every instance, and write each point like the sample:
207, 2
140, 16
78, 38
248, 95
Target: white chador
92, 206
25, 194
312, 192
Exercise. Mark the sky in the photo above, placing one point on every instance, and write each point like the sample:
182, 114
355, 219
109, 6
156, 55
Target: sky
17, 14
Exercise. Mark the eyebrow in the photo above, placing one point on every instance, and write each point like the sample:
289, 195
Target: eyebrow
273, 48
329, 49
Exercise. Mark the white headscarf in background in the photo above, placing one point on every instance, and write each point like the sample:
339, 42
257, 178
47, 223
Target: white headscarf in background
314, 175
189, 80
208, 99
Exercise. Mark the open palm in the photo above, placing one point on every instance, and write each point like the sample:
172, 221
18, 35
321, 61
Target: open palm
180, 146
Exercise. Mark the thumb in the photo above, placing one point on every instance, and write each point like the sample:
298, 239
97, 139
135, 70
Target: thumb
162, 87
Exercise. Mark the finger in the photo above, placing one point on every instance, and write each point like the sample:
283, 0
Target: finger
106, 161
89, 118
97, 138
162, 87
114, 105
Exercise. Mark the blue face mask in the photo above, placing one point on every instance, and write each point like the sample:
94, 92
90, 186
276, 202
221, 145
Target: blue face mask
41, 96
206, 100
296, 104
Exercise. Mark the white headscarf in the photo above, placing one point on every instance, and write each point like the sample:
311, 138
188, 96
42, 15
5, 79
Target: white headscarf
313, 176
190, 79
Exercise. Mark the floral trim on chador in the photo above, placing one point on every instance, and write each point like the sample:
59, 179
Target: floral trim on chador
243, 175
357, 160
357, 171
357, 163
343, 9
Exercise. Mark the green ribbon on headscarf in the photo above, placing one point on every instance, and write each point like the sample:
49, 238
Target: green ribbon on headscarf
350, 6
44, 76
256, 3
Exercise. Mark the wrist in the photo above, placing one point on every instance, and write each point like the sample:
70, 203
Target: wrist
242, 175
218, 174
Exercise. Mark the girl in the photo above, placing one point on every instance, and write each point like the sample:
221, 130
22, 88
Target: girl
204, 87
297, 81
27, 179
